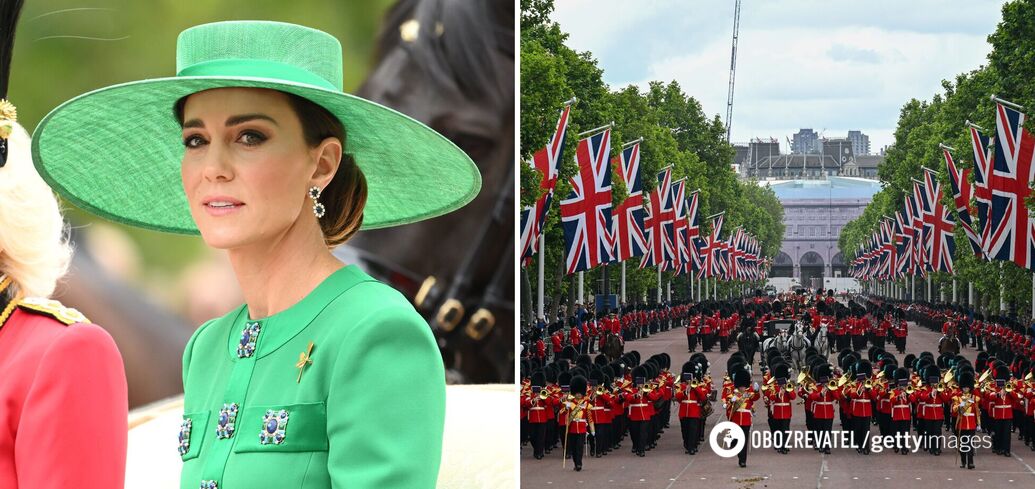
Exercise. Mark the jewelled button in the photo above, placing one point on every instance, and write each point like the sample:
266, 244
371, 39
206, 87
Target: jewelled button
249, 336
227, 420
209, 485
185, 437
274, 427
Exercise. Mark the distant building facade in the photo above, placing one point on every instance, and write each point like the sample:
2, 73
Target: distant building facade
860, 142
805, 141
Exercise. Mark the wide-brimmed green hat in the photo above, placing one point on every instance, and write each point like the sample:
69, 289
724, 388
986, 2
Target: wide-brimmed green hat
116, 151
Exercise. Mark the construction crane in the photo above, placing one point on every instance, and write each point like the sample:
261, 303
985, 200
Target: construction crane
733, 71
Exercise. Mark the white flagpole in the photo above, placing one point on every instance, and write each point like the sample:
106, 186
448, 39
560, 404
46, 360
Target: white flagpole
659, 284
1002, 290
954, 290
541, 281
668, 291
970, 294
581, 290
623, 280
928, 287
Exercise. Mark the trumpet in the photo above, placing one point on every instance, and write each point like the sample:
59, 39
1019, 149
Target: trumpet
909, 389
1008, 388
832, 384
601, 390
543, 394
789, 387
694, 383
940, 387
867, 384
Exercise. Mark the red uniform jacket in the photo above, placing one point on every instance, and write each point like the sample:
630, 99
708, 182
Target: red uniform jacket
900, 404
574, 336
1001, 403
780, 402
967, 417
63, 405
539, 410
690, 400
860, 401
641, 407
577, 416
822, 404
929, 403
742, 416
601, 409
556, 339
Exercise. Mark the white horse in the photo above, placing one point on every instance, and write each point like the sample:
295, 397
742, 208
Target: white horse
821, 342
796, 345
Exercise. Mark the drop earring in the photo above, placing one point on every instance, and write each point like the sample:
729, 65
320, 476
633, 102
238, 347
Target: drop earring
318, 209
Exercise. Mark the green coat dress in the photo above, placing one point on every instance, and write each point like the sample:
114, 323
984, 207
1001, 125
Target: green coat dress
367, 413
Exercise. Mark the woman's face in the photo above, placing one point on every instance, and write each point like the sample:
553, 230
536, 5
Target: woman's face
247, 167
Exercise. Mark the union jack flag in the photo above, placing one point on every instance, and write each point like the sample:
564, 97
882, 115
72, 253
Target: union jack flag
712, 250
919, 236
679, 225
939, 226
1013, 231
981, 145
693, 231
961, 197
586, 213
904, 240
628, 234
547, 162
659, 222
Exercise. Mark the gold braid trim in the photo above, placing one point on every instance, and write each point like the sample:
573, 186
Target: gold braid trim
5, 282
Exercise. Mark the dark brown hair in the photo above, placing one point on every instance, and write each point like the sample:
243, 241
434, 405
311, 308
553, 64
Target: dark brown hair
346, 195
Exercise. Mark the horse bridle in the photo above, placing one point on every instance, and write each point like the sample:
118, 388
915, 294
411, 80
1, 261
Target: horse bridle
440, 300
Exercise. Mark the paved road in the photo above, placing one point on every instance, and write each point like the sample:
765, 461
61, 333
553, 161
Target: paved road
668, 467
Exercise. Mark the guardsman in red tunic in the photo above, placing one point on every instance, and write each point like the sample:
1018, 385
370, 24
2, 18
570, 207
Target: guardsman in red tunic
739, 405
965, 410
575, 338
691, 334
578, 421
861, 394
640, 403
1001, 400
779, 398
540, 349
900, 331
600, 398
557, 340
725, 325
707, 333
691, 394
821, 401
882, 387
536, 402
929, 401
901, 408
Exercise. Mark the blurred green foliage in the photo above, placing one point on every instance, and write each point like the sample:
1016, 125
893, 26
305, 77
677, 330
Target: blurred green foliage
923, 124
65, 48
675, 130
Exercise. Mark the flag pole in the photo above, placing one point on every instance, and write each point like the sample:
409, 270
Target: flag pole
1002, 290
659, 284
1007, 103
541, 280
594, 131
581, 290
623, 280
634, 141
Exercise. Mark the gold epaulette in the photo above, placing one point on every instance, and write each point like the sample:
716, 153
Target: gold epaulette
54, 309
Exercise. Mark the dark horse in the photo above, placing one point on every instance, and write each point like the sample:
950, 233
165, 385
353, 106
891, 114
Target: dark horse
613, 347
949, 343
450, 64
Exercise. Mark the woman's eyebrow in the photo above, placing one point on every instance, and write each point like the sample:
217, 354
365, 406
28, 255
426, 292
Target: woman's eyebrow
240, 119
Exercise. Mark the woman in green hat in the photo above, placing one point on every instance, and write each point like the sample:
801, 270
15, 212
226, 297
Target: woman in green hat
325, 377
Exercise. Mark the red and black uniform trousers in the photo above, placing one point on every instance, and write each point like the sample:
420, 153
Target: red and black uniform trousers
861, 406
691, 424
1001, 418
780, 417
930, 415
901, 417
640, 412
602, 441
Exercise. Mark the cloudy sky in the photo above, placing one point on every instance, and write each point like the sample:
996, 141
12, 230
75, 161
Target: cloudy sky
828, 65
